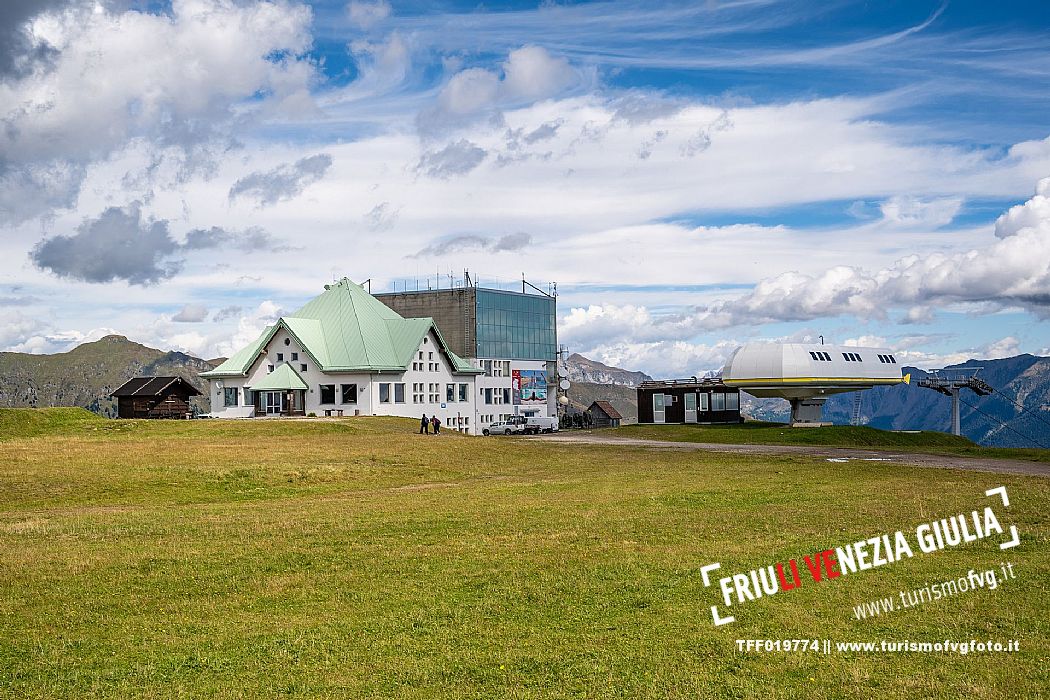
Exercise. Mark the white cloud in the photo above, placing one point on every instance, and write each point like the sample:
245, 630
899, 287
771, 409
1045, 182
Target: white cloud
383, 65
665, 359
173, 79
469, 91
1014, 270
913, 211
191, 313
366, 15
530, 73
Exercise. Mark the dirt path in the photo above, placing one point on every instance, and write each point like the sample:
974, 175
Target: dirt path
832, 454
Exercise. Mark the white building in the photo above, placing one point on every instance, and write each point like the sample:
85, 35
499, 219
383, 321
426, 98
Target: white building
511, 336
346, 353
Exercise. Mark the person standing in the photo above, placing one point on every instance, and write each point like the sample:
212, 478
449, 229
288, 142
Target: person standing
437, 424
424, 426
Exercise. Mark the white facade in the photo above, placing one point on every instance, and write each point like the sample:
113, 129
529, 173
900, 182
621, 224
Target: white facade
495, 393
428, 386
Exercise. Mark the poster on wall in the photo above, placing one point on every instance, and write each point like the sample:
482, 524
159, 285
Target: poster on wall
530, 386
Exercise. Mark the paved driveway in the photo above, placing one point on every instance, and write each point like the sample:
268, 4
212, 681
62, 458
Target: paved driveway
832, 454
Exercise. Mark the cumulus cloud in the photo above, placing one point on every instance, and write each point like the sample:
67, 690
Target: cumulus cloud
632, 337
122, 244
914, 211
544, 131
119, 244
666, 359
176, 78
1012, 271
530, 73
17, 328
20, 50
191, 313
457, 158
381, 217
472, 242
365, 15
226, 313
32, 190
251, 239
284, 182
381, 65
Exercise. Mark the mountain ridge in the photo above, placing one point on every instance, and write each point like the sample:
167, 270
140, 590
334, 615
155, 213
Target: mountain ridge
86, 375
583, 369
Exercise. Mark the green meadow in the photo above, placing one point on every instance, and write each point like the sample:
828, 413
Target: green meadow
354, 558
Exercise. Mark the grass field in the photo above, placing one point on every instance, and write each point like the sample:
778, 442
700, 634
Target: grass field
762, 433
354, 558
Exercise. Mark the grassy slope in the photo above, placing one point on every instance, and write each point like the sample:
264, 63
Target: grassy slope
356, 558
27, 422
761, 433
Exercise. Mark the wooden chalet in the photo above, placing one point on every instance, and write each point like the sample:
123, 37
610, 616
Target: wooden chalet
604, 415
155, 397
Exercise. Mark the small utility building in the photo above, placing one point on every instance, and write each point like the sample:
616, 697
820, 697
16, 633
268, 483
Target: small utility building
155, 397
688, 401
604, 415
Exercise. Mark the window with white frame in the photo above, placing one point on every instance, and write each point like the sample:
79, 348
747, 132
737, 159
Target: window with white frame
463, 389
399, 393
229, 396
384, 392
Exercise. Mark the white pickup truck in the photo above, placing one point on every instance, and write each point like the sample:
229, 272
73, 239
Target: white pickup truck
515, 425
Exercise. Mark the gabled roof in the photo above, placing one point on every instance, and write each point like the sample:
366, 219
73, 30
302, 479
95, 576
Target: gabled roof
284, 377
607, 409
346, 329
153, 386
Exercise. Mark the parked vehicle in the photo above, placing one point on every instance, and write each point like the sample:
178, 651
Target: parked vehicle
515, 425
535, 425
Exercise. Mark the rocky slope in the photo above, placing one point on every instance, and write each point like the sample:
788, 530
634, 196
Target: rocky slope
87, 374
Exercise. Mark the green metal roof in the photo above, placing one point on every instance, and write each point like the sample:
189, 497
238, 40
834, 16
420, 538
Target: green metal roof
346, 329
283, 377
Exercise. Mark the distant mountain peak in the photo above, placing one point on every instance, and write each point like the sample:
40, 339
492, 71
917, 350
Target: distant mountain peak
584, 369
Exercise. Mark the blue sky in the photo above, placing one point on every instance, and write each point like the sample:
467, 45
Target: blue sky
692, 175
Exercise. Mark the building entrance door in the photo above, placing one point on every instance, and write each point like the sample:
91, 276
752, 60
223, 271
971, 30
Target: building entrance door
274, 402
658, 408
690, 408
